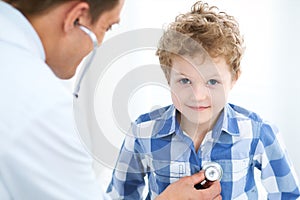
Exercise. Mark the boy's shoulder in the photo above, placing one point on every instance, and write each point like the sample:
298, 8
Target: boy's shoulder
155, 124
163, 113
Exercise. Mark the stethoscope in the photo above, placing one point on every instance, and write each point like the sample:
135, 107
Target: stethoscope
89, 59
212, 172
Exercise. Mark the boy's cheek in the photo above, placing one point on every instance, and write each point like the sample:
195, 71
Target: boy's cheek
219, 98
176, 101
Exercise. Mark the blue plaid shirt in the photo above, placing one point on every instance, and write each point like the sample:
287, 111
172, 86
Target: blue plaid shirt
240, 141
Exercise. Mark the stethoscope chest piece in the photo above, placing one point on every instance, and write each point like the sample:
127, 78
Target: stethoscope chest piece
212, 171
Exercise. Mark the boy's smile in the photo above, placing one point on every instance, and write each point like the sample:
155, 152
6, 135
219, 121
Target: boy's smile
199, 87
199, 108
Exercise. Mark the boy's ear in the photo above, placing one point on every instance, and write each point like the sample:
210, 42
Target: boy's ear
238, 74
234, 79
79, 13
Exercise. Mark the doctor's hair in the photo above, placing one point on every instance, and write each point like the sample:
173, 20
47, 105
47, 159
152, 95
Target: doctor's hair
35, 7
204, 29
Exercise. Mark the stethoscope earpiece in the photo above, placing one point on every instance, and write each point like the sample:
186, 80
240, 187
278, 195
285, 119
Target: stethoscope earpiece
76, 22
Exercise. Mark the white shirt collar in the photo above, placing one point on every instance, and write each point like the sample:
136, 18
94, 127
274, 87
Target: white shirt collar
16, 29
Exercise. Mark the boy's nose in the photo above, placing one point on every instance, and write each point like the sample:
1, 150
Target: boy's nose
200, 92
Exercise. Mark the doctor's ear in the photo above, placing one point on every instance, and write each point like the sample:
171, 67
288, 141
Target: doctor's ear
78, 13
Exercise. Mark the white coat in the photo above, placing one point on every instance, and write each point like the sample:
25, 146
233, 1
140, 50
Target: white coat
41, 156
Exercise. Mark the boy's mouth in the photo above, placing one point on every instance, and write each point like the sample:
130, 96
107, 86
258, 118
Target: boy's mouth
199, 108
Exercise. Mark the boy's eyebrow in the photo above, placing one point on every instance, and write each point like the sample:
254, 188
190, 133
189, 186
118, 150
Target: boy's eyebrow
180, 74
207, 76
216, 74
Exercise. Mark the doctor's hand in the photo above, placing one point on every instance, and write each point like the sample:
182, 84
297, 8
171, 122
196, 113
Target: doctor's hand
184, 189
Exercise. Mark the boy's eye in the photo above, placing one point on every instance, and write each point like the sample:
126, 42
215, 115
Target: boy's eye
185, 81
212, 82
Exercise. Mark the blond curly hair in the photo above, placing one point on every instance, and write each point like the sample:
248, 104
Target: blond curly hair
216, 32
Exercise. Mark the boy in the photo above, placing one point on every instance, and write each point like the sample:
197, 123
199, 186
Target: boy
200, 55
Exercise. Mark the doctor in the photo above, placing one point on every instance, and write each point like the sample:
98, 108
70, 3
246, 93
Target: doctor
41, 156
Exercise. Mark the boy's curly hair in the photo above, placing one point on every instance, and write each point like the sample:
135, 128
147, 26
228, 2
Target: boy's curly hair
216, 32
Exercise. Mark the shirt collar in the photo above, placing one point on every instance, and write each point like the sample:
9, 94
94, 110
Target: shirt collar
227, 122
17, 30
167, 123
